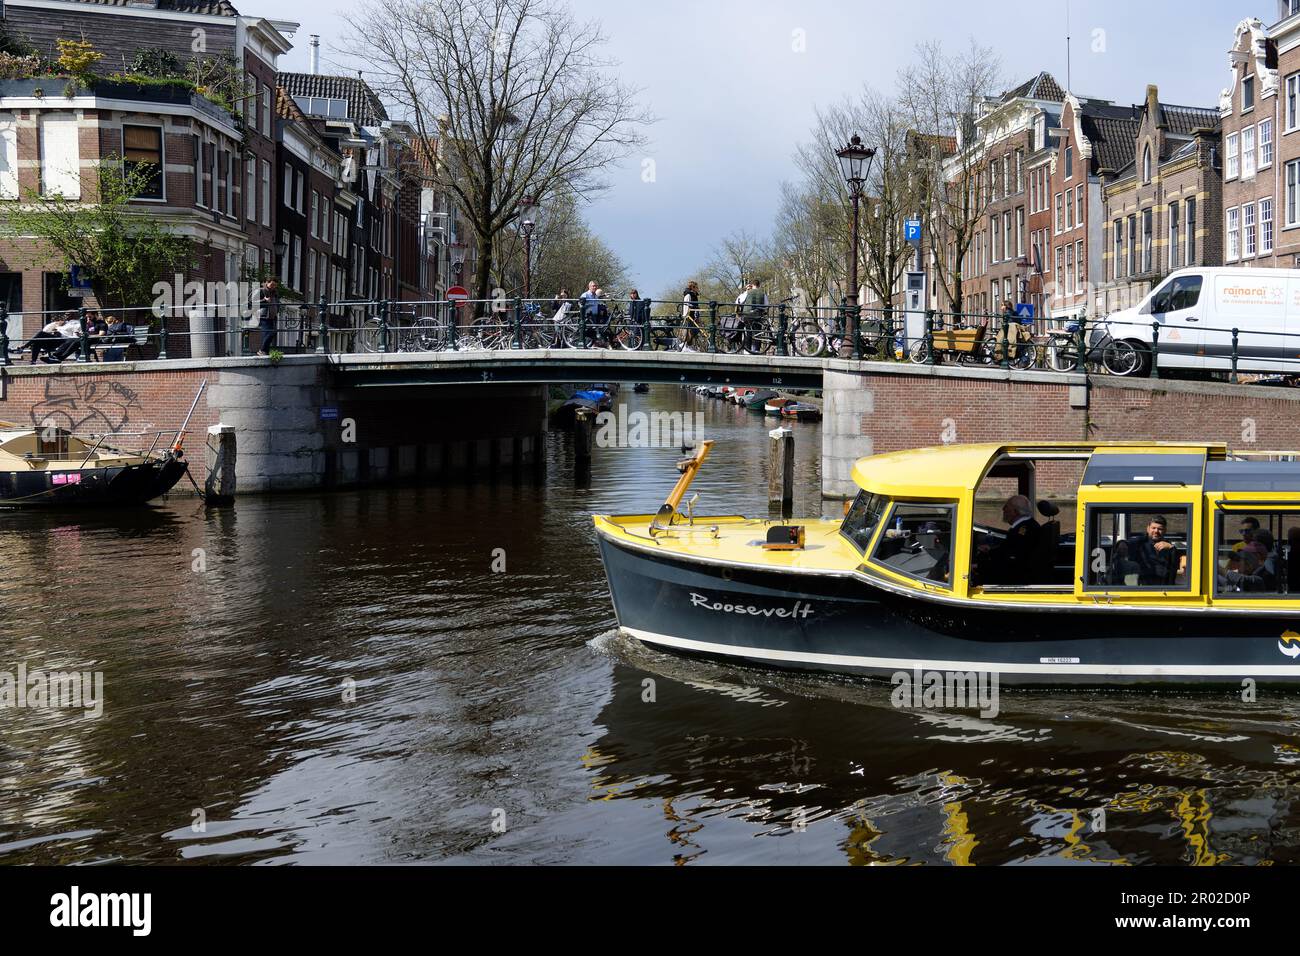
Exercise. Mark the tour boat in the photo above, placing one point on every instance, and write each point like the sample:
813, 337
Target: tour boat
1148, 563
50, 468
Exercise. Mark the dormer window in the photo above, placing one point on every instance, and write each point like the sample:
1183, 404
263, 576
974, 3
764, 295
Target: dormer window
1146, 163
1247, 93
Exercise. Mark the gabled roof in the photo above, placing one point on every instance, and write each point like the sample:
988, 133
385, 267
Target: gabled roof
1186, 119
1112, 131
214, 8
364, 106
1040, 87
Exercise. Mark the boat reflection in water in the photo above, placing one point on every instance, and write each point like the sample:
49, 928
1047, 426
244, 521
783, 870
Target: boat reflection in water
1183, 566
727, 754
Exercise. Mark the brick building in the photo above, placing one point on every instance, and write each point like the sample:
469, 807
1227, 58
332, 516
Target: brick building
214, 177
1162, 210
1094, 142
1261, 148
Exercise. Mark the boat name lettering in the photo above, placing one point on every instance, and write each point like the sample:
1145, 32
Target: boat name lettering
799, 609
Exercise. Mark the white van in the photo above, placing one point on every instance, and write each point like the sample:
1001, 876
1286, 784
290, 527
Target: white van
1197, 310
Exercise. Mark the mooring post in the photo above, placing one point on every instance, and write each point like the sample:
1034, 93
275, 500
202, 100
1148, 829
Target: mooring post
582, 434
780, 470
219, 487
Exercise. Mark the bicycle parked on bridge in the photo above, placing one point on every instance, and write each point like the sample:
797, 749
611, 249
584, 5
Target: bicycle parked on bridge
423, 334
1102, 352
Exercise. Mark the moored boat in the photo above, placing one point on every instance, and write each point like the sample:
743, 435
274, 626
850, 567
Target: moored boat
801, 411
51, 468
758, 399
1148, 563
773, 406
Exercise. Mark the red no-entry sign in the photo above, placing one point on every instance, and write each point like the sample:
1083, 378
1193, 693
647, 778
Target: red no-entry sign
457, 294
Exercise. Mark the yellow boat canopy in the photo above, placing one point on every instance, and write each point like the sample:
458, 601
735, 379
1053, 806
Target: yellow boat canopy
951, 471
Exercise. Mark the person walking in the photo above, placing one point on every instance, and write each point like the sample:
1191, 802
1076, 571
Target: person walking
690, 314
268, 314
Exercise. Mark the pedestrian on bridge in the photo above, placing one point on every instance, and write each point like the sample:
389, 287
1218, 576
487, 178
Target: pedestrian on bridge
268, 314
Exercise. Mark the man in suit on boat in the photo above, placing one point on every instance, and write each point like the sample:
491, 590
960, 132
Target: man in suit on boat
1011, 560
1157, 558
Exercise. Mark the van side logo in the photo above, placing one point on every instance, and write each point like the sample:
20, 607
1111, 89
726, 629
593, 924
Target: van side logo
1289, 644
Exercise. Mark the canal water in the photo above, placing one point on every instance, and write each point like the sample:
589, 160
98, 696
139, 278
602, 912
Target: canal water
430, 675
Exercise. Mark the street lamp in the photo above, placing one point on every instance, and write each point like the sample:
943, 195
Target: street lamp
855, 163
527, 222
281, 250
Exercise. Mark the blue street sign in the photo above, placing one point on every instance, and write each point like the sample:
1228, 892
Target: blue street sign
1025, 310
78, 282
911, 230
329, 413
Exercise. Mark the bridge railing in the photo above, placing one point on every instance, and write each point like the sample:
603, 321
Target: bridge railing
786, 328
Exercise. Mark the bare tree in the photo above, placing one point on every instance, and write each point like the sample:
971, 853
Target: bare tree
516, 94
943, 96
809, 228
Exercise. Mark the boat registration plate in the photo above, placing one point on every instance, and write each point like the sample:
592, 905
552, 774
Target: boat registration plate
1058, 660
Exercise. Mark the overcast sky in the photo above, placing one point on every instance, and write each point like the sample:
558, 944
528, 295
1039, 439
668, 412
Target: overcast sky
735, 94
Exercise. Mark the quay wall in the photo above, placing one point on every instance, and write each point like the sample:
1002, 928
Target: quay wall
876, 407
295, 428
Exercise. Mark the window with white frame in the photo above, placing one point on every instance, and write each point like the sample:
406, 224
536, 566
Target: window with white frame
1020, 231
296, 282
1175, 247
1248, 235
1248, 152
60, 147
9, 156
284, 260
1060, 272
1232, 168
1233, 226
1069, 267
1265, 143
1266, 225
200, 199
1146, 163
1132, 244
266, 110
1292, 107
1147, 245
1080, 273
315, 215
1117, 255
1078, 205
1190, 226
1247, 93
1006, 235
288, 185
1292, 200
1060, 213
1069, 162
250, 191
1069, 209
266, 193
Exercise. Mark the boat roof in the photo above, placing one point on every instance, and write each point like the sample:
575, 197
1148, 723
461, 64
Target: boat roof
948, 471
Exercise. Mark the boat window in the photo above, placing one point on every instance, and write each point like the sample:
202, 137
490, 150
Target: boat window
861, 520
917, 542
1257, 554
1138, 548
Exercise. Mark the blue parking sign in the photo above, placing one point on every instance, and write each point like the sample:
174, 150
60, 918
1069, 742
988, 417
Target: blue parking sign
911, 230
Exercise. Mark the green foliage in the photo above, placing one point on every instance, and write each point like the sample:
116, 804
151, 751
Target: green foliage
77, 57
155, 62
15, 46
15, 66
123, 248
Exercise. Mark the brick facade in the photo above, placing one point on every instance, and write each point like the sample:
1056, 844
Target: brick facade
1173, 189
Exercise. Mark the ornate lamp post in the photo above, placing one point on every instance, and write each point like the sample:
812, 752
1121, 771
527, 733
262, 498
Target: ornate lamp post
527, 222
855, 163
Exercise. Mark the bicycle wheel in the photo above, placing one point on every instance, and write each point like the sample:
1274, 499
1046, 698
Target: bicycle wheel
626, 334
1062, 356
1121, 358
427, 335
919, 352
808, 339
370, 338
760, 340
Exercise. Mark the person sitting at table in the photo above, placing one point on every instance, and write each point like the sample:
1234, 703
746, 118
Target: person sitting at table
44, 340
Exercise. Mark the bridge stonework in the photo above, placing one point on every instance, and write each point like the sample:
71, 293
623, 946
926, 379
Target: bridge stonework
296, 426
881, 407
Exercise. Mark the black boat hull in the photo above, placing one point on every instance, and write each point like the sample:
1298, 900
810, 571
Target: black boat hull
844, 624
90, 487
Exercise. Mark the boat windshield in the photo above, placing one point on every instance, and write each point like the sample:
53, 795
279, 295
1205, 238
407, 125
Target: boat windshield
918, 542
861, 519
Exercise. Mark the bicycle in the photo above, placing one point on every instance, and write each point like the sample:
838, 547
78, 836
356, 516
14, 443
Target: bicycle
1104, 351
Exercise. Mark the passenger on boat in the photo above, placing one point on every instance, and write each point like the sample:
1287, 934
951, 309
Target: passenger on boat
1011, 560
1157, 558
1247, 571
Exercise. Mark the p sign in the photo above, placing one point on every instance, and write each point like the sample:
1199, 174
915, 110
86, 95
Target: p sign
912, 230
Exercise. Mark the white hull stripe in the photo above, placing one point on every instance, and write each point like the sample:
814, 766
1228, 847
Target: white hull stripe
903, 663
